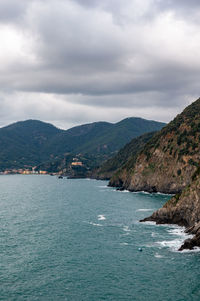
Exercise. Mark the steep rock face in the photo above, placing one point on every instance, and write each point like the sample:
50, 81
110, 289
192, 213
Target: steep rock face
169, 159
183, 209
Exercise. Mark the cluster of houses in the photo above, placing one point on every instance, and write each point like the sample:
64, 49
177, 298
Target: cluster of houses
23, 171
32, 170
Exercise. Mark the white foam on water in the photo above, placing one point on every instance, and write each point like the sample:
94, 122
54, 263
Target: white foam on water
143, 210
180, 231
161, 193
158, 256
195, 250
126, 229
144, 192
179, 237
125, 234
94, 224
150, 223
176, 243
101, 217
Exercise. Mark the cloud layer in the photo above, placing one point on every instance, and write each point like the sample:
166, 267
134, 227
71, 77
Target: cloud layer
76, 61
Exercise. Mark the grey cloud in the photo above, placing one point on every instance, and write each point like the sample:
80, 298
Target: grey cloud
88, 3
116, 5
86, 57
164, 78
179, 4
65, 114
183, 9
12, 10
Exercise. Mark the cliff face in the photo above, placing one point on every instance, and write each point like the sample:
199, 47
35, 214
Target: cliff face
183, 209
169, 159
170, 163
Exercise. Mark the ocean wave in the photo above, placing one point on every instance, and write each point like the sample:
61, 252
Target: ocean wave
101, 217
180, 231
152, 193
143, 192
161, 193
126, 229
177, 232
158, 256
125, 234
195, 250
124, 191
94, 224
124, 244
150, 223
176, 243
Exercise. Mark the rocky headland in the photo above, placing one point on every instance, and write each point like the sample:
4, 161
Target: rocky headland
183, 209
170, 163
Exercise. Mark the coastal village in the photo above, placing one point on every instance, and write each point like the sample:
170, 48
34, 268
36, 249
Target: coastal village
34, 171
26, 171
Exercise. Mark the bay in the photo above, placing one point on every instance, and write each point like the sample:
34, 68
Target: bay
64, 239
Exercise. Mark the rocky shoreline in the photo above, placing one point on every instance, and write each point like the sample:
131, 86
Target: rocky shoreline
184, 210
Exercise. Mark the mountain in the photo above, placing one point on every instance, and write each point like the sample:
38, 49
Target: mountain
102, 138
121, 133
169, 160
126, 155
77, 139
22, 143
32, 142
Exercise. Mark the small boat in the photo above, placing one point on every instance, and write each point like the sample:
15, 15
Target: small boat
60, 177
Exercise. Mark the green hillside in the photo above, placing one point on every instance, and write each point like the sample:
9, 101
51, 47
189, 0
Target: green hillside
32, 142
126, 155
22, 143
120, 134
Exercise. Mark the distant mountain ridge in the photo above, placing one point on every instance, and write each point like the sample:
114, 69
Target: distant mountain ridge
32, 142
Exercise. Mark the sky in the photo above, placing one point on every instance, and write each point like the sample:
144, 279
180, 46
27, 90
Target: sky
70, 62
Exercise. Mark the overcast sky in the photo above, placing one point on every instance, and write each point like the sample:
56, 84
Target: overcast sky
71, 62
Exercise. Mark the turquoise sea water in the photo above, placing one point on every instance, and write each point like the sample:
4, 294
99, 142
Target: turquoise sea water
79, 240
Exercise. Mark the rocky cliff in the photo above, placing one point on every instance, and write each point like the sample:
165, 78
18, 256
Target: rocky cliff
183, 209
168, 161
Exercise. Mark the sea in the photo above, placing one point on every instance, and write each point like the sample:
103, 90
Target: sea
79, 240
